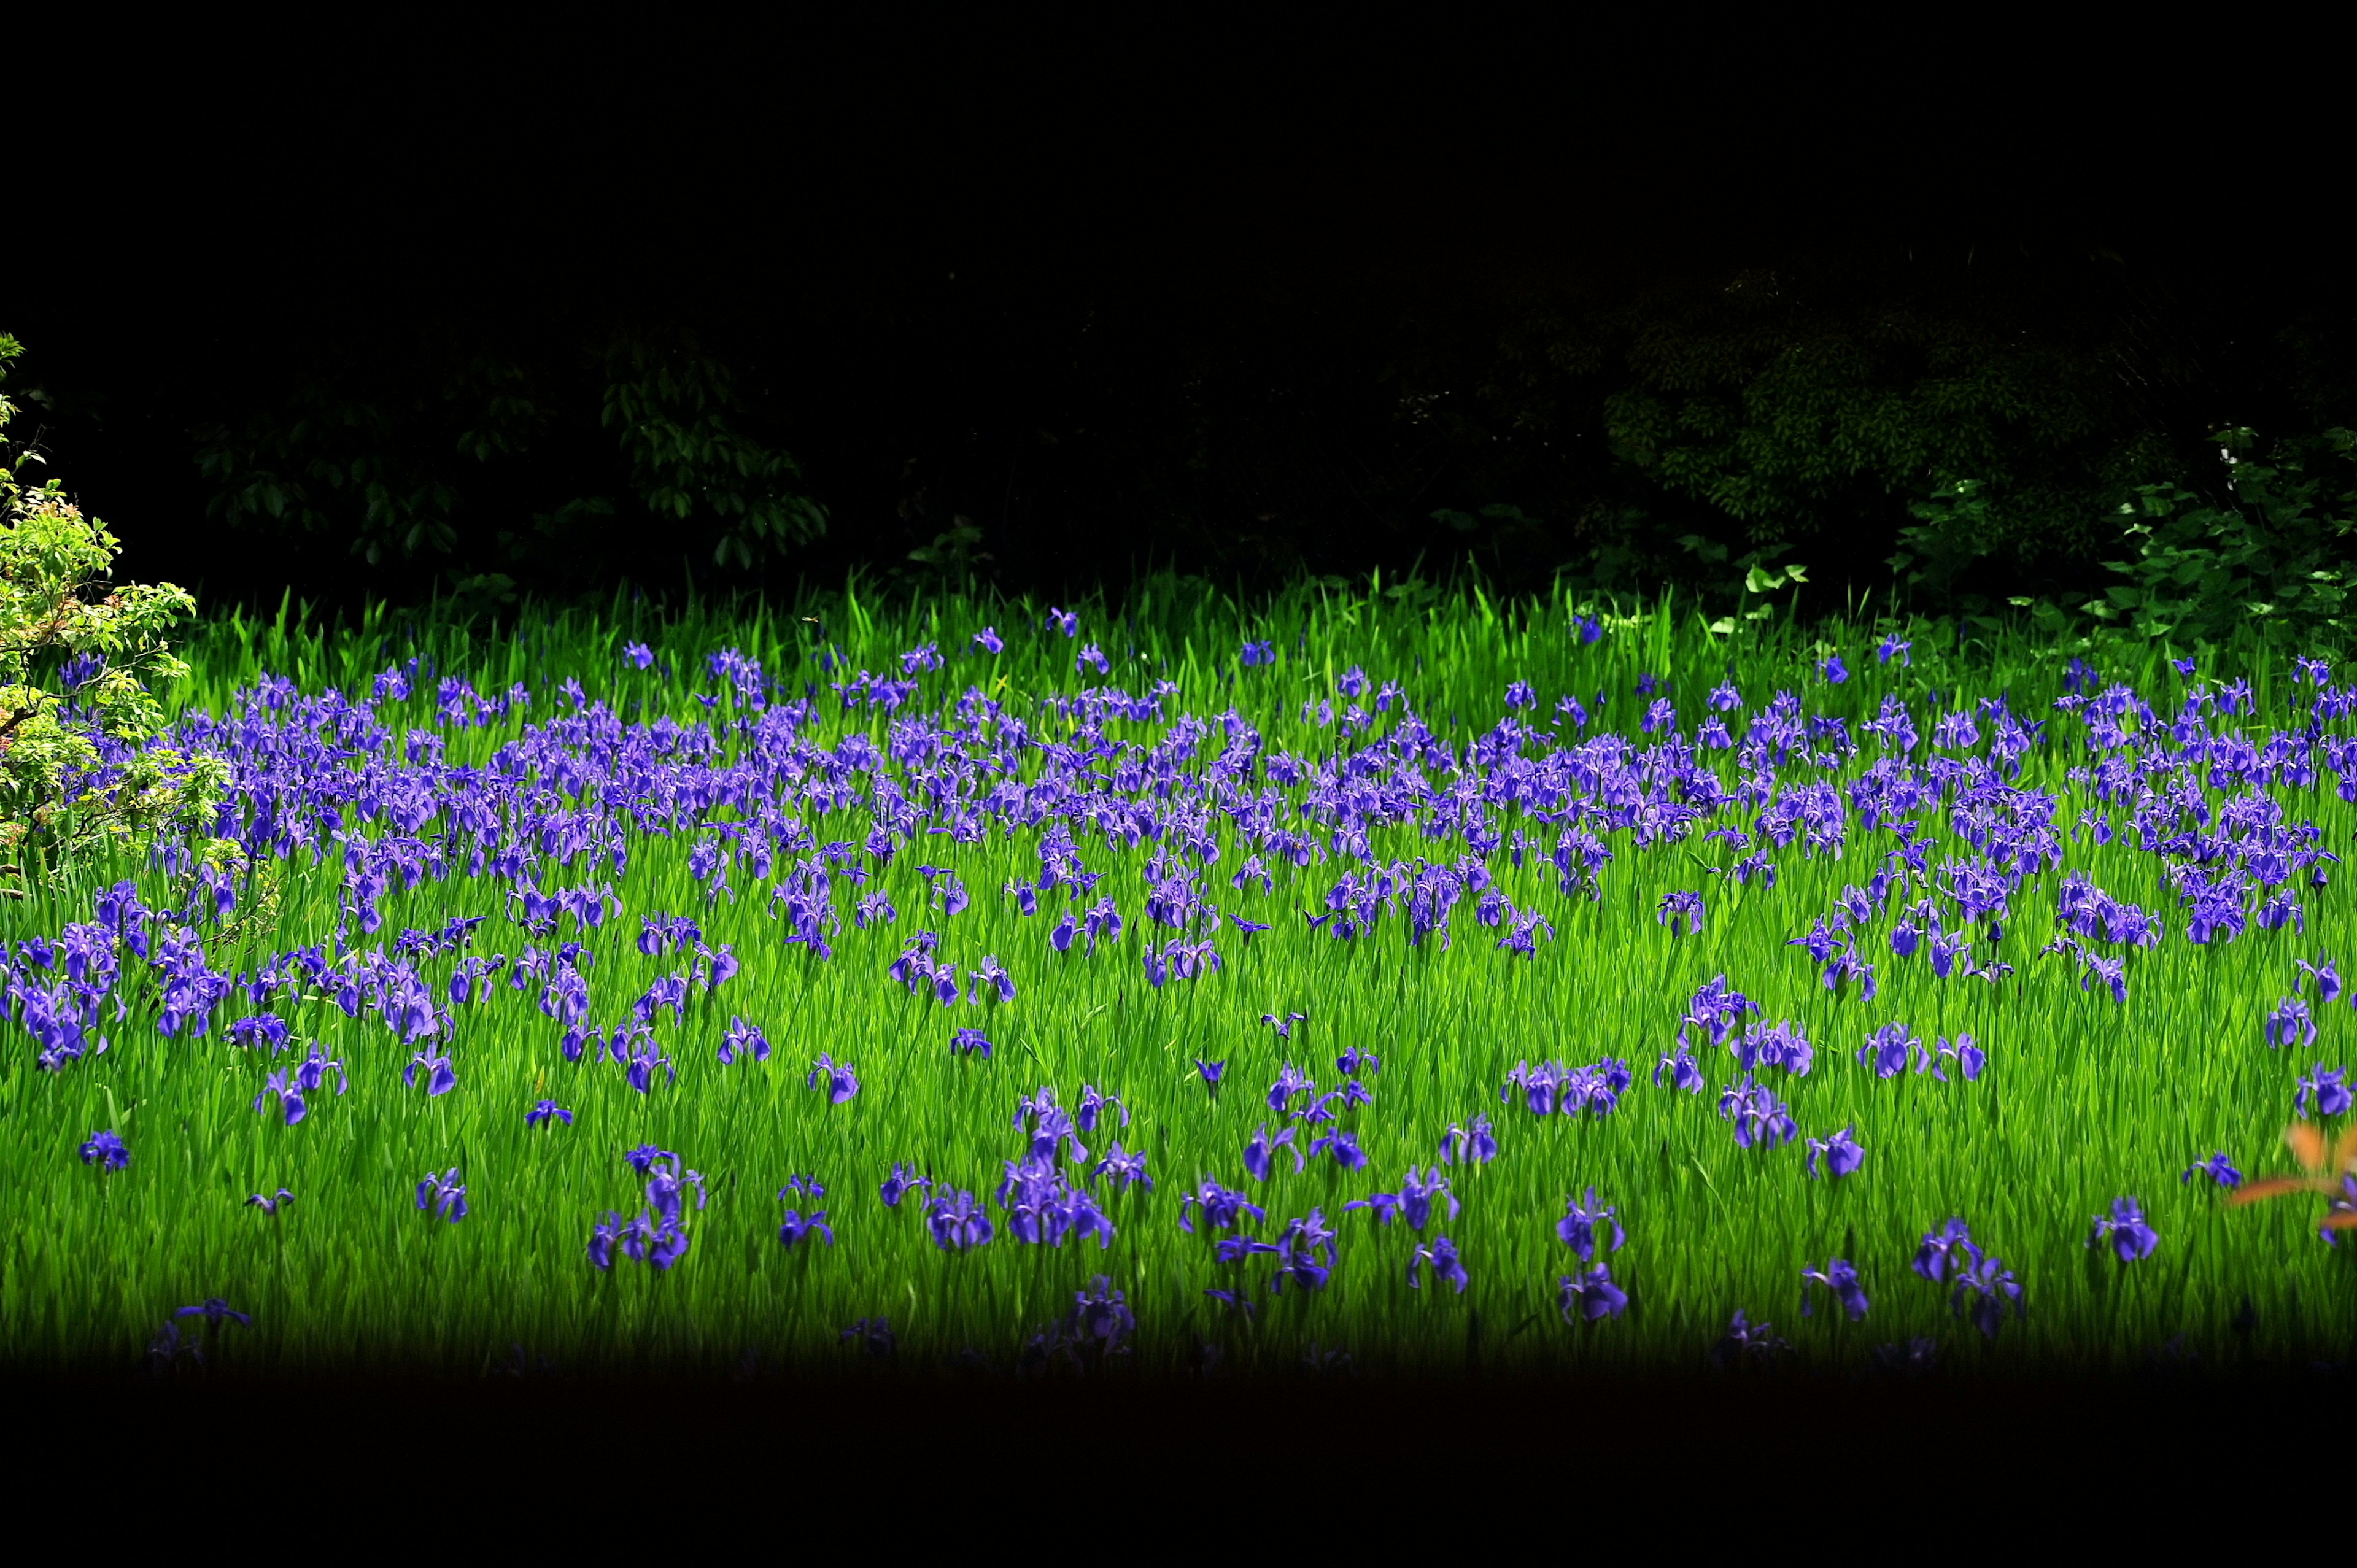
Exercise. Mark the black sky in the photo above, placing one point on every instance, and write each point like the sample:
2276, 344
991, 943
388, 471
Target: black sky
262, 198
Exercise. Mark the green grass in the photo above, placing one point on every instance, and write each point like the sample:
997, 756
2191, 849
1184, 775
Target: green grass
2084, 1100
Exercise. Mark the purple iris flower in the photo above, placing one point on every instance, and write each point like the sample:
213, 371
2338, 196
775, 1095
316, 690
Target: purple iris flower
566, 998
1677, 906
2124, 1228
2111, 971
900, 1183
1413, 1202
1592, 1295
1093, 1106
1906, 935
1290, 1081
1822, 942
1519, 694
440, 1078
969, 1042
214, 1310
1258, 1154
1258, 654
471, 981
1985, 1287
1223, 1209
1684, 1072
1746, 1342
1211, 1072
1781, 1045
444, 1194
2218, 1168
1894, 647
1090, 657
1049, 1124
262, 1029
1841, 1152
270, 1206
106, 1151
1306, 1251
1129, 1169
638, 654
1577, 1229
1834, 670
1886, 1050
957, 1221
1839, 1276
2290, 1024
1476, 1145
1283, 1025
743, 1040
1355, 1061
1947, 948
872, 1335
667, 1188
1064, 621
643, 1059
798, 1227
989, 641
1946, 1251
661, 1245
1441, 1252
289, 1095
2330, 1088
1969, 1058
2326, 978
1845, 967
547, 1111
1759, 1116
1539, 1086
842, 1083
990, 973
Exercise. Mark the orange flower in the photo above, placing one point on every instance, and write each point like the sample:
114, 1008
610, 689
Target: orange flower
2326, 1171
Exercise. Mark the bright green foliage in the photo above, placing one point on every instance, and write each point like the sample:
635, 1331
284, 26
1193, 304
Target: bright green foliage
77, 661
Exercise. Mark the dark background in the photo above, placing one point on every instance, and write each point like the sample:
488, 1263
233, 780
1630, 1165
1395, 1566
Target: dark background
1056, 309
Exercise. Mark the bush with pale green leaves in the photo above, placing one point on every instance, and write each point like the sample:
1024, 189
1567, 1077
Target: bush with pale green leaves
80, 657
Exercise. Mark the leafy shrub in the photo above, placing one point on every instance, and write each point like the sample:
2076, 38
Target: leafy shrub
78, 657
2278, 557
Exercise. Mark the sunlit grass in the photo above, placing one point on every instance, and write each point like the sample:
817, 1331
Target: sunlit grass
2084, 1100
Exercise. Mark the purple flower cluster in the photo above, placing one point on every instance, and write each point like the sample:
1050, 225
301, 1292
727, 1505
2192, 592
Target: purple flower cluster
1551, 1087
1979, 1282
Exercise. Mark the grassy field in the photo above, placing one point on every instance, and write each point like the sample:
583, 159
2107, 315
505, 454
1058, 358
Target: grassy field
1166, 774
